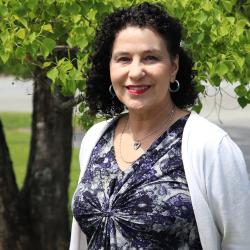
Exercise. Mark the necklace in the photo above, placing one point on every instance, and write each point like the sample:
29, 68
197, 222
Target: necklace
137, 142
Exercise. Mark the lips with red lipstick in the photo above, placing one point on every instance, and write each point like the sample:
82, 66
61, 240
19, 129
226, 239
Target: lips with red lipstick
137, 89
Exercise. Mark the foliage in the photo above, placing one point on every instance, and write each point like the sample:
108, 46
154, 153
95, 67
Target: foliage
218, 37
34, 32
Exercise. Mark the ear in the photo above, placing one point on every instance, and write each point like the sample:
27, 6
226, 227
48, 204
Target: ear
175, 67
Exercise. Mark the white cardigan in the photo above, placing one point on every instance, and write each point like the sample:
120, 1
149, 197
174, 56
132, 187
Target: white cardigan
218, 183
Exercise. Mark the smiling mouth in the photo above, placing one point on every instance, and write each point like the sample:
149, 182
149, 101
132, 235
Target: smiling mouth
137, 89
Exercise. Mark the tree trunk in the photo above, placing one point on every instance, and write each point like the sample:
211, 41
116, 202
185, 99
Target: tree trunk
47, 179
13, 227
8, 194
37, 216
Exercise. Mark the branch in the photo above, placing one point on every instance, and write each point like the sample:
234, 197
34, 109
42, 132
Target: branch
62, 47
71, 103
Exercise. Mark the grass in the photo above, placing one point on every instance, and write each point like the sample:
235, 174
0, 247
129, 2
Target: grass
15, 121
17, 131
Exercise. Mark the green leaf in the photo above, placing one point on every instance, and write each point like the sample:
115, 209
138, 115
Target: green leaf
3, 11
63, 77
32, 37
4, 36
92, 14
248, 59
230, 65
241, 26
47, 27
75, 75
239, 60
32, 4
207, 6
241, 91
215, 80
21, 33
228, 4
197, 107
69, 88
224, 29
81, 85
231, 20
53, 74
48, 45
65, 66
4, 57
248, 95
201, 17
22, 21
200, 88
50, 1
243, 101
184, 3
20, 53
221, 69
80, 41
74, 9
76, 18
46, 64
198, 37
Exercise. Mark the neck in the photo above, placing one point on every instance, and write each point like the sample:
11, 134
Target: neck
143, 122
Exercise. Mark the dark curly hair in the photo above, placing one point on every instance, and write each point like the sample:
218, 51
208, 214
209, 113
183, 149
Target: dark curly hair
98, 97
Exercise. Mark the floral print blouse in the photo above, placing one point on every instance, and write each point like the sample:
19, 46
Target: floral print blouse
146, 207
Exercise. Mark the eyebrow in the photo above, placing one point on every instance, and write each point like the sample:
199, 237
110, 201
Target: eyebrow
123, 53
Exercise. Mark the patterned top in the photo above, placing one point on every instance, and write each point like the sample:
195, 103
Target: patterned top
146, 207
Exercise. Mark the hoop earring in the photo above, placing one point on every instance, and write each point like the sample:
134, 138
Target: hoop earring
176, 89
111, 91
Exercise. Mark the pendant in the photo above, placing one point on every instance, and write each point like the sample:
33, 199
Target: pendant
136, 145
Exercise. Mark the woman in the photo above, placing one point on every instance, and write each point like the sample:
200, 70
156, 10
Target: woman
156, 176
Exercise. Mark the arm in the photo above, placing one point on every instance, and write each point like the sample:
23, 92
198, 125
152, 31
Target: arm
78, 239
229, 196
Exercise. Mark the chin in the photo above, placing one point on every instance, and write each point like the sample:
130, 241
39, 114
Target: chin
136, 104
137, 107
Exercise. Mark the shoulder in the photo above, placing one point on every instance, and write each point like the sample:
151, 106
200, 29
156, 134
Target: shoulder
206, 143
97, 130
202, 131
90, 139
97, 127
202, 140
201, 125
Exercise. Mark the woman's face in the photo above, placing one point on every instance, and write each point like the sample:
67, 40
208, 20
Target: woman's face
141, 69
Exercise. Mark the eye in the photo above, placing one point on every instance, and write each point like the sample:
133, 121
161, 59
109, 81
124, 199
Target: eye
151, 58
123, 59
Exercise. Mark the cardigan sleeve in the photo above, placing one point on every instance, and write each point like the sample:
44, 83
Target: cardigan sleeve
229, 196
78, 240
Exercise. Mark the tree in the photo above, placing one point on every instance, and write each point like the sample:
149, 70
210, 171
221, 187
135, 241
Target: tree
49, 41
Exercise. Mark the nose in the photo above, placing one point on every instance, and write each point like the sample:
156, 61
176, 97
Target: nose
136, 71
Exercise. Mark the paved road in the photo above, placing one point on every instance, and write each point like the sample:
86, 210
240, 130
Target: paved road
17, 96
